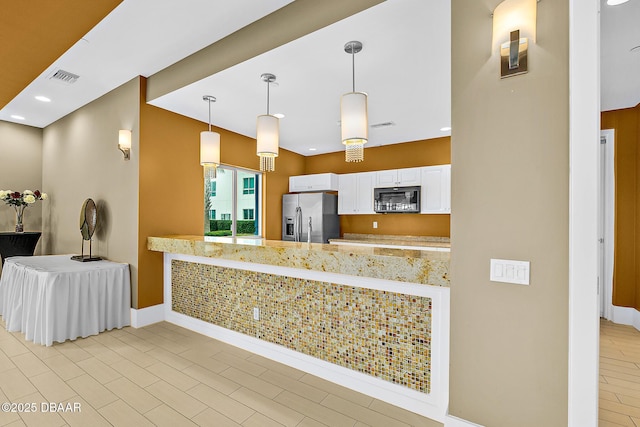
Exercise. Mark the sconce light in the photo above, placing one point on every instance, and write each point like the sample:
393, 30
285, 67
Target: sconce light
268, 133
353, 113
514, 24
209, 146
124, 142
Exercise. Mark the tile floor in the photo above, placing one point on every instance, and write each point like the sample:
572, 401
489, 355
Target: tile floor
619, 375
165, 375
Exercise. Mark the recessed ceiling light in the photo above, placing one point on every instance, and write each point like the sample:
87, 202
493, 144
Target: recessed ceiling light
279, 115
43, 98
616, 2
14, 116
445, 129
312, 149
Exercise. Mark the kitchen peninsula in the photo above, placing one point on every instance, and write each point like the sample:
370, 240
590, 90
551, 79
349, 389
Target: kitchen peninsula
372, 319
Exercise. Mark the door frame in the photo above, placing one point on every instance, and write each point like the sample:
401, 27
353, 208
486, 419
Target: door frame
607, 212
584, 141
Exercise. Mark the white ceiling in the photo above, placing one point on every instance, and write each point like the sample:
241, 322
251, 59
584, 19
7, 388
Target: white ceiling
619, 65
404, 67
139, 37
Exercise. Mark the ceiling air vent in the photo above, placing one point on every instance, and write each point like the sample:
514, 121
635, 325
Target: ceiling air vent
64, 77
382, 125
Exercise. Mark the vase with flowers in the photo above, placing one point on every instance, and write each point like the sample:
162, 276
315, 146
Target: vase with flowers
19, 201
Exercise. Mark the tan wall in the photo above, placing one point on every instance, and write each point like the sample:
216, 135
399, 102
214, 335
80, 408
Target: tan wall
626, 275
510, 174
21, 169
395, 156
172, 185
81, 160
21, 157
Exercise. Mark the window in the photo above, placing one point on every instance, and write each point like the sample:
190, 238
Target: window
235, 196
212, 214
248, 185
247, 213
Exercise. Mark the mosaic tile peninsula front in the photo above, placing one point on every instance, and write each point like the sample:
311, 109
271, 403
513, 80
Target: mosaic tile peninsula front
383, 334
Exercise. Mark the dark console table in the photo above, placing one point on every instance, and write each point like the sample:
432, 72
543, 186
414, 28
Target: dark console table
18, 244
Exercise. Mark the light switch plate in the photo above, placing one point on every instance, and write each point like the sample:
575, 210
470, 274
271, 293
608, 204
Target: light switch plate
509, 271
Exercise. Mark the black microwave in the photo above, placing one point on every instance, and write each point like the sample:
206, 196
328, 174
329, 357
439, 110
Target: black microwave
396, 200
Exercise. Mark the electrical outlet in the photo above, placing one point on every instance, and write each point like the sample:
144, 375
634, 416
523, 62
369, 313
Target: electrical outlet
375, 224
256, 313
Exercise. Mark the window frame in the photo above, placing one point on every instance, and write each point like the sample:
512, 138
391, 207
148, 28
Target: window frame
257, 189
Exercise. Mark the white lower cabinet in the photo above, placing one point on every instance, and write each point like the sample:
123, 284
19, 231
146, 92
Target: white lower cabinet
355, 193
436, 190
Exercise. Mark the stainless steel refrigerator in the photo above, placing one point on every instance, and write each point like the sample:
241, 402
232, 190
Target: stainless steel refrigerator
310, 217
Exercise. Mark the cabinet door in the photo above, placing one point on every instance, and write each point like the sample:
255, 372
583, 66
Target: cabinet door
364, 196
314, 182
436, 189
409, 176
298, 183
386, 178
446, 188
347, 193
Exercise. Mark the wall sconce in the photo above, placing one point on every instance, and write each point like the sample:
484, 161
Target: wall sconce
124, 143
514, 24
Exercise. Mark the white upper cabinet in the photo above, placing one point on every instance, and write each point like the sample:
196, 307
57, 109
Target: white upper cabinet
355, 193
436, 190
315, 182
398, 177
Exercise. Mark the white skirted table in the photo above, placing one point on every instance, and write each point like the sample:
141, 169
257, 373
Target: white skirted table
52, 298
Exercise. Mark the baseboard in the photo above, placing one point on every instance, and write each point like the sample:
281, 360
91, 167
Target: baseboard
626, 316
451, 421
426, 405
146, 316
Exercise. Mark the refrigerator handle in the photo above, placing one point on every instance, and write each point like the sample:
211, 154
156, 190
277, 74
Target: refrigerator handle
297, 224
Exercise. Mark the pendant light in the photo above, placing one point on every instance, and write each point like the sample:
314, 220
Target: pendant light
209, 146
268, 130
353, 113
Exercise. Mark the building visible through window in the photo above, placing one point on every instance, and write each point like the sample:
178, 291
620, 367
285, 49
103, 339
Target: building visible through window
233, 203
248, 185
247, 213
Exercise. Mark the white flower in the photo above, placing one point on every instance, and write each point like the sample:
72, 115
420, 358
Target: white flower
25, 192
44, 196
29, 198
3, 194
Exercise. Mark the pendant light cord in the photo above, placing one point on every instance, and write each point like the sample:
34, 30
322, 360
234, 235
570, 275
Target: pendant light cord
353, 67
209, 114
268, 84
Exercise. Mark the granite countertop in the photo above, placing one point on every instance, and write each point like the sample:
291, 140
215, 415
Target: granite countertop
405, 265
393, 240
